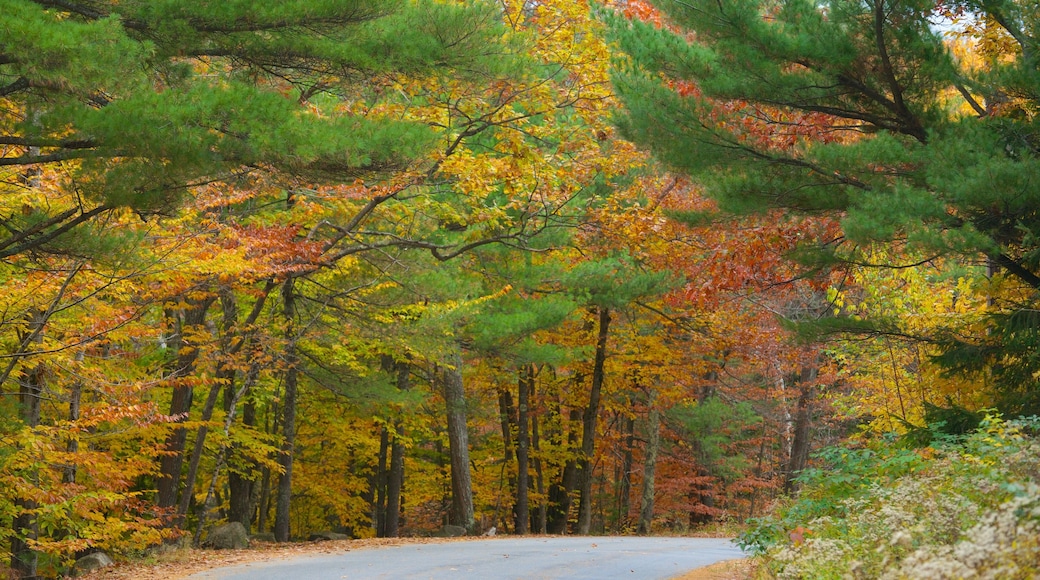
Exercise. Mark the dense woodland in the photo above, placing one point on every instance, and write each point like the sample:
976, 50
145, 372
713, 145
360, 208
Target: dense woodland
381, 266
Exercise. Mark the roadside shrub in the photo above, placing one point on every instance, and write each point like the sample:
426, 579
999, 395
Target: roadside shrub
964, 508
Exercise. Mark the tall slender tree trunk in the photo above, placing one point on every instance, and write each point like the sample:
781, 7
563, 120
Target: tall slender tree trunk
185, 355
223, 378
802, 424
758, 471
539, 475
394, 484
458, 445
395, 478
23, 558
72, 446
196, 453
624, 479
588, 433
523, 477
380, 481
263, 501
242, 481
653, 446
241, 477
272, 424
561, 492
285, 458
507, 419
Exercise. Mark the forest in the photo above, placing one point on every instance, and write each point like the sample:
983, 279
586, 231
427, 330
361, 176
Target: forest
389, 267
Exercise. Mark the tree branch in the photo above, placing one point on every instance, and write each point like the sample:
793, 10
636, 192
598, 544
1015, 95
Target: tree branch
1016, 269
35, 242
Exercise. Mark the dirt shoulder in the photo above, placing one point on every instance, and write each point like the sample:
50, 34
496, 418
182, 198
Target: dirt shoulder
728, 570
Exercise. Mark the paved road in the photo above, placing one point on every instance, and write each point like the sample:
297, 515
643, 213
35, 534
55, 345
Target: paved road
571, 558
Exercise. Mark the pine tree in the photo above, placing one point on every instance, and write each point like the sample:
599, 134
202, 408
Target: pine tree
861, 110
138, 101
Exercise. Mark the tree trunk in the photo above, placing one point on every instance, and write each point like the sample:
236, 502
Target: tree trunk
242, 488
625, 477
507, 420
185, 353
523, 479
395, 478
758, 472
458, 445
539, 476
285, 458
395, 482
224, 379
380, 482
263, 502
560, 493
196, 454
23, 558
272, 425
75, 398
225, 375
588, 432
802, 422
653, 446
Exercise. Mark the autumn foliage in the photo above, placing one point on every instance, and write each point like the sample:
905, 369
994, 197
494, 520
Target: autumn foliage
416, 274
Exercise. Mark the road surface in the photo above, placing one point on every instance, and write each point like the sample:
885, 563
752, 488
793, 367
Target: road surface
571, 558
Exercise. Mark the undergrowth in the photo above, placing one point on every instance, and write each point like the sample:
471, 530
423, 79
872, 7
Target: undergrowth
962, 507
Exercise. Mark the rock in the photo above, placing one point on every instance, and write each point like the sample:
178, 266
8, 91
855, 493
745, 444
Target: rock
229, 536
327, 536
491, 531
263, 537
450, 531
91, 562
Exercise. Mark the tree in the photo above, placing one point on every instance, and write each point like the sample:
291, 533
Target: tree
139, 101
859, 110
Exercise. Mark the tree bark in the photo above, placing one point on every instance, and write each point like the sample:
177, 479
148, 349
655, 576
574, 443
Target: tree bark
523, 478
224, 377
196, 453
625, 477
653, 446
588, 432
458, 445
395, 479
285, 458
380, 482
272, 425
539, 476
507, 420
24, 559
802, 423
185, 353
75, 399
242, 488
561, 493
395, 482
